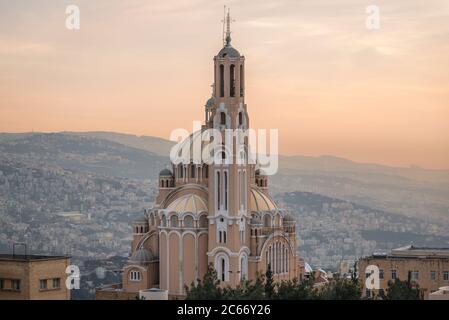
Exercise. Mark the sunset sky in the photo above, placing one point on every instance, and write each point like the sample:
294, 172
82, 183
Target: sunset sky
313, 70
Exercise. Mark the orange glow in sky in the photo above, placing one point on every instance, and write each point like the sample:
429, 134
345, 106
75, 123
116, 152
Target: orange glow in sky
313, 70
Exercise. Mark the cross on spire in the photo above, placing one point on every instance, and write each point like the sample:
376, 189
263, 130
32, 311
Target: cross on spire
227, 22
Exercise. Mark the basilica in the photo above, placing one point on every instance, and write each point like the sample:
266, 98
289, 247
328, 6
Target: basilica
218, 214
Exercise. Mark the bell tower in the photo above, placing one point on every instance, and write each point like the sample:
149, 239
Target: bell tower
229, 181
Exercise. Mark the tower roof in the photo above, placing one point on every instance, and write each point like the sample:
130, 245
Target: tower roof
228, 50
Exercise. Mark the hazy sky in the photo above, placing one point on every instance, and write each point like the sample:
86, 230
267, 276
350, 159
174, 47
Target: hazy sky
314, 71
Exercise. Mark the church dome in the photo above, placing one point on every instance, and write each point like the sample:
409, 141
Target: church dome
140, 220
261, 202
210, 102
141, 256
188, 203
228, 51
165, 172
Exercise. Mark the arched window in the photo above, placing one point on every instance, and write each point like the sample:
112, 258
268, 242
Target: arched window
206, 171
221, 80
203, 221
224, 236
217, 196
232, 80
243, 267
222, 266
267, 220
192, 171
226, 190
134, 276
223, 269
174, 221
164, 221
188, 222
242, 81
223, 118
240, 118
220, 237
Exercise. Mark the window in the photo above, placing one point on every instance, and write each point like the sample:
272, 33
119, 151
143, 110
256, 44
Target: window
416, 275
393, 274
240, 118
224, 236
223, 269
134, 275
218, 190
43, 284
232, 80
445, 275
223, 118
15, 284
381, 273
2, 284
56, 283
203, 222
188, 222
173, 221
433, 275
226, 190
221, 80
192, 171
242, 82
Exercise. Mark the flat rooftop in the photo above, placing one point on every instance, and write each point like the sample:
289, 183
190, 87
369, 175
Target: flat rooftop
413, 252
30, 257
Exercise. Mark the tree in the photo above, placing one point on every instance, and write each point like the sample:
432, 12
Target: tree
269, 283
340, 289
402, 290
206, 289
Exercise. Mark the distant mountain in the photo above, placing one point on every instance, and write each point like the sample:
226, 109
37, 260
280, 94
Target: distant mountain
331, 230
84, 153
411, 191
155, 145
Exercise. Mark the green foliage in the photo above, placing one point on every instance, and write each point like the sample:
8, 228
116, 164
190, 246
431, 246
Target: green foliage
206, 289
402, 290
269, 283
340, 289
264, 287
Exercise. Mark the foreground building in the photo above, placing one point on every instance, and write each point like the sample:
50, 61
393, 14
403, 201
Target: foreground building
427, 267
219, 214
33, 277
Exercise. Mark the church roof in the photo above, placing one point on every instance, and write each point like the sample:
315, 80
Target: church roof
188, 203
141, 256
165, 172
261, 202
228, 51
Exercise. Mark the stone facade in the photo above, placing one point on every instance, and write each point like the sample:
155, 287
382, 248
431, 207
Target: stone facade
428, 267
33, 277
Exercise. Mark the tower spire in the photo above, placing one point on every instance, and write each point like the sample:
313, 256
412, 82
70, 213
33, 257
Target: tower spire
227, 27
